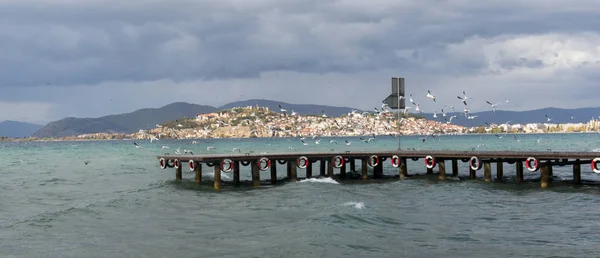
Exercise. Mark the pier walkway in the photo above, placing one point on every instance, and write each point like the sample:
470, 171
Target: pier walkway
330, 162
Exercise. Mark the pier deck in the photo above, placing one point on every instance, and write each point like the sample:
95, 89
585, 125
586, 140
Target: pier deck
331, 161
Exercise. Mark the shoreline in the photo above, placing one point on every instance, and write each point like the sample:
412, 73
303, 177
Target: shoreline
12, 140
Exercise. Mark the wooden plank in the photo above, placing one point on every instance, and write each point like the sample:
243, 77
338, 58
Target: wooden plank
403, 153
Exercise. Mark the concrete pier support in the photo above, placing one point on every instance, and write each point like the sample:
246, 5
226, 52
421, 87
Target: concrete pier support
343, 170
217, 177
454, 167
487, 171
330, 168
442, 168
322, 169
353, 165
545, 175
378, 170
403, 168
198, 171
274, 173
178, 173
519, 167
364, 169
429, 170
256, 174
236, 173
472, 173
499, 171
309, 169
293, 167
288, 170
577, 173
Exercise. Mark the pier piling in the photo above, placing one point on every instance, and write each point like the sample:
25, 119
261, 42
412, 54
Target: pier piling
274, 173
378, 170
403, 168
442, 169
256, 174
499, 171
309, 169
288, 170
472, 173
322, 170
364, 169
454, 167
217, 176
545, 175
487, 171
352, 165
293, 167
519, 167
178, 173
330, 168
343, 170
198, 171
236, 173
577, 173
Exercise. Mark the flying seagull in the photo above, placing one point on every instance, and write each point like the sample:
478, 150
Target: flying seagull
429, 95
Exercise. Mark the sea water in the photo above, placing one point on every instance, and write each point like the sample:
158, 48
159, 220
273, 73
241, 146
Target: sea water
121, 204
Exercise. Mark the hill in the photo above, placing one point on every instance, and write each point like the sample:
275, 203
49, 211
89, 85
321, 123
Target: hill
557, 115
301, 109
15, 129
123, 123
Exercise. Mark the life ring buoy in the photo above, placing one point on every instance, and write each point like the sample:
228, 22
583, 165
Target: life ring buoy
226, 165
176, 163
337, 161
261, 161
163, 163
302, 162
532, 164
396, 161
429, 162
594, 165
281, 161
170, 163
192, 165
373, 161
475, 163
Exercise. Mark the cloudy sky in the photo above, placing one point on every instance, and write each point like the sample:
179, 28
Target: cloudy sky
89, 58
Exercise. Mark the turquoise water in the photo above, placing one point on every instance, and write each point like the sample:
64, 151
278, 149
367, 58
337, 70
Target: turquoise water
121, 204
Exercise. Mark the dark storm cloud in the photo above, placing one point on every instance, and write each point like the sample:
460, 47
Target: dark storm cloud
88, 42
301, 51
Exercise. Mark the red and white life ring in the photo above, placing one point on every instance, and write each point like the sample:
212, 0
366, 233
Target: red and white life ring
163, 163
302, 162
532, 164
264, 160
226, 165
396, 161
594, 165
373, 161
192, 165
176, 163
337, 161
475, 163
429, 162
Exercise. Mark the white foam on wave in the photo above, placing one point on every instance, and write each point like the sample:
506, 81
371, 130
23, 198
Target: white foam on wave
320, 180
357, 205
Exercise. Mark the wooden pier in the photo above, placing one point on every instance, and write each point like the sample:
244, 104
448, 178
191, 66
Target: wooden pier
330, 162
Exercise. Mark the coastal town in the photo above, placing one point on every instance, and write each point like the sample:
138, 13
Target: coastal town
258, 122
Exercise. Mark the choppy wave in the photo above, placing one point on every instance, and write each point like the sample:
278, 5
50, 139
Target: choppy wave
357, 205
320, 180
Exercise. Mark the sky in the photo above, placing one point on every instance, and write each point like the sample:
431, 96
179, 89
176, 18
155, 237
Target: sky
89, 58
